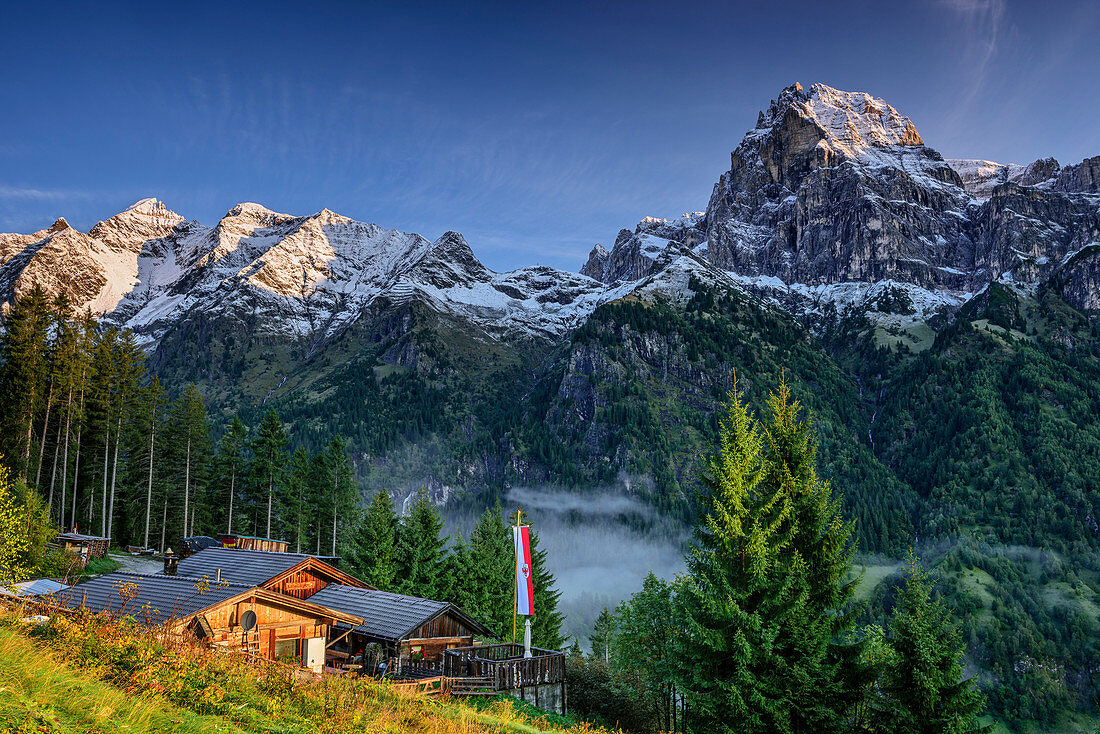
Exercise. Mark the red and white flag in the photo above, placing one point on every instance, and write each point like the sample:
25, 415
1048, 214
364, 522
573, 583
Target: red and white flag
525, 584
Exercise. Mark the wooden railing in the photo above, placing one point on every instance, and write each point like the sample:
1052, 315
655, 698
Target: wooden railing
505, 665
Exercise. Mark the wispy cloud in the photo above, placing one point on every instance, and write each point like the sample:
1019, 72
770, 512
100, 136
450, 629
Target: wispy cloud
33, 194
983, 31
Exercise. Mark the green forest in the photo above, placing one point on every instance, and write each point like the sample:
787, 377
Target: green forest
978, 449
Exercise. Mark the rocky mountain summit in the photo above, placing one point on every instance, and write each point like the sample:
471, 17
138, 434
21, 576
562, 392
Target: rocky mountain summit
833, 203
834, 194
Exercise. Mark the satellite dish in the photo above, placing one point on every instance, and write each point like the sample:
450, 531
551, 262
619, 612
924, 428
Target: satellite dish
248, 620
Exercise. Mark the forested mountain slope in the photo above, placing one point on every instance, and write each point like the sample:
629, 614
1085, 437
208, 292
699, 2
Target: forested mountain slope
938, 316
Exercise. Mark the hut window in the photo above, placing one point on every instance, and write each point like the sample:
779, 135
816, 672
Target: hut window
285, 649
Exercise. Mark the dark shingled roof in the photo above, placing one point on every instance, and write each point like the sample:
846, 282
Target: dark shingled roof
240, 566
156, 598
388, 616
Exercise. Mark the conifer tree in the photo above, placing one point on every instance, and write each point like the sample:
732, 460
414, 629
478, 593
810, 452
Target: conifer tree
143, 470
230, 465
420, 553
744, 593
300, 502
268, 466
129, 367
338, 498
602, 639
547, 622
100, 420
830, 675
23, 374
187, 448
488, 586
646, 645
374, 559
924, 691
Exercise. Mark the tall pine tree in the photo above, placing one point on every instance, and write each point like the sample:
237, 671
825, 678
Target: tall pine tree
420, 554
745, 593
267, 471
230, 465
374, 557
924, 691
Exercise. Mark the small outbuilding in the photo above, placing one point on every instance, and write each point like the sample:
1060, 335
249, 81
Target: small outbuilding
84, 547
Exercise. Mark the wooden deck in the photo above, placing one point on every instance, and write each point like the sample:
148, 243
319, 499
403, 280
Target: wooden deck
505, 665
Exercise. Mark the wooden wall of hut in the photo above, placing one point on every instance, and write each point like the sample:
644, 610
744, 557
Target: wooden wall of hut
301, 584
445, 625
274, 624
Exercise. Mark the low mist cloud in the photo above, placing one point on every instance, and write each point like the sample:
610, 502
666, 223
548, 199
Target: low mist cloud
600, 545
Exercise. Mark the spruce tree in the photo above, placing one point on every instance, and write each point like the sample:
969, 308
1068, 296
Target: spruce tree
830, 675
547, 622
646, 644
489, 584
924, 691
374, 559
23, 374
300, 501
230, 465
745, 593
267, 470
187, 450
602, 639
420, 556
338, 499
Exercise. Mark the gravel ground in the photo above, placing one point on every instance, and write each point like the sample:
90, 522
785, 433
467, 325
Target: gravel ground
138, 564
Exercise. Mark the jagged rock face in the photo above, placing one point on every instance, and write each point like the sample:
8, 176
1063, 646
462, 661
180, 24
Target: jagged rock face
1079, 281
1084, 177
834, 192
635, 253
597, 261
981, 177
1028, 231
833, 187
94, 270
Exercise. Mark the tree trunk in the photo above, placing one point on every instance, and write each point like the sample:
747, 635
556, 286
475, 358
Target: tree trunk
336, 495
45, 431
106, 464
270, 492
164, 524
232, 491
76, 476
114, 475
186, 483
76, 463
149, 490
65, 461
53, 474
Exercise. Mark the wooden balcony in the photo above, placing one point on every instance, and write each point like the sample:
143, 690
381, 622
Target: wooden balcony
505, 665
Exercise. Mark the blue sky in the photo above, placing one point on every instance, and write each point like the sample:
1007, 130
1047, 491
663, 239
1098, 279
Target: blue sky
535, 129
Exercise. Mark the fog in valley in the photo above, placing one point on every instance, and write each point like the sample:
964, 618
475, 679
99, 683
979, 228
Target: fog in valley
600, 545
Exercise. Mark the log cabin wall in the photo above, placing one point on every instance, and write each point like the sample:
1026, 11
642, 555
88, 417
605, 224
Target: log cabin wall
445, 625
301, 584
261, 544
274, 624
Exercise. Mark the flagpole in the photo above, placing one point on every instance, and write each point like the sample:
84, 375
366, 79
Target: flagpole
515, 577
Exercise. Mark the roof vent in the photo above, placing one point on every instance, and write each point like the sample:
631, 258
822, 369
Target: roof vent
217, 574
